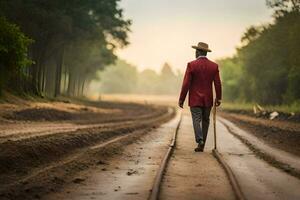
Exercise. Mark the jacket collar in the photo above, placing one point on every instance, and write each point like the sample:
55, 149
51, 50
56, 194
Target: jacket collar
201, 57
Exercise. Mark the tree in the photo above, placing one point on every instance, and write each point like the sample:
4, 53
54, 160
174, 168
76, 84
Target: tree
268, 60
148, 82
122, 77
168, 80
13, 55
282, 7
231, 73
57, 28
119, 78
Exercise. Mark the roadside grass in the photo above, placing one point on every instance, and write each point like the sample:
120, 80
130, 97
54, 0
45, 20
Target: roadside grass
293, 108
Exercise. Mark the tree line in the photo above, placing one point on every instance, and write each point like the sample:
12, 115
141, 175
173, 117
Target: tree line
56, 47
266, 67
124, 78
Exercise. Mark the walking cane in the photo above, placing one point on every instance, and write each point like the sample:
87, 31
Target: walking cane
235, 185
214, 121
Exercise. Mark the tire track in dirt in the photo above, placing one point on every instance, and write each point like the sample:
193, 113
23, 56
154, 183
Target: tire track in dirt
23, 161
29, 130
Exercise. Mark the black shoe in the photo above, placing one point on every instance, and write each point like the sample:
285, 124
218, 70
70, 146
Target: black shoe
197, 149
200, 147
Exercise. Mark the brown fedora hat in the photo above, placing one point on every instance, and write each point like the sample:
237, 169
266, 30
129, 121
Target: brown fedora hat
202, 46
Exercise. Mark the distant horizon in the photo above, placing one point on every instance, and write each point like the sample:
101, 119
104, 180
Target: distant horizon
163, 32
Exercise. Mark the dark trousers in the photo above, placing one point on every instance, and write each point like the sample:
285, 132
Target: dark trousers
200, 116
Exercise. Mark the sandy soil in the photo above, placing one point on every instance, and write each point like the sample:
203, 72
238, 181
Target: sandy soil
42, 143
77, 111
284, 135
128, 175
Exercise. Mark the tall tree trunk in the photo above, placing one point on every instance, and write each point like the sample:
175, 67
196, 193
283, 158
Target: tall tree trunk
66, 79
71, 83
43, 79
77, 85
82, 86
37, 52
2, 77
34, 69
59, 64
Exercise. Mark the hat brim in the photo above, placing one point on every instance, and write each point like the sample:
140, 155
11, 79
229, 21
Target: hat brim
199, 48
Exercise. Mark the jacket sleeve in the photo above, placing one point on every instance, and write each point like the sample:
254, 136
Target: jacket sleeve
218, 85
186, 84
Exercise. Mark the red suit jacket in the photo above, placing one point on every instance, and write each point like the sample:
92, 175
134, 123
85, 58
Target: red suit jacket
198, 79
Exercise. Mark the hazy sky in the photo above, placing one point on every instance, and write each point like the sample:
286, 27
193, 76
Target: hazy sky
164, 30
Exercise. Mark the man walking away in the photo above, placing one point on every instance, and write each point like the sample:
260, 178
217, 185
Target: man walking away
198, 79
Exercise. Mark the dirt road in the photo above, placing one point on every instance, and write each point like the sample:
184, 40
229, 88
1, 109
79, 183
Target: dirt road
198, 176
194, 175
39, 154
282, 134
258, 179
130, 176
118, 158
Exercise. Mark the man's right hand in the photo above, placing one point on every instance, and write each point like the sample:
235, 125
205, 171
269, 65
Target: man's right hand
217, 102
180, 104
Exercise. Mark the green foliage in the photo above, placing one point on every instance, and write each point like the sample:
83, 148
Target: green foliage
231, 73
282, 7
72, 38
266, 69
13, 45
13, 52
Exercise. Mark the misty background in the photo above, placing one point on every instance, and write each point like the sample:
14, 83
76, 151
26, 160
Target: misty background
125, 78
76, 49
